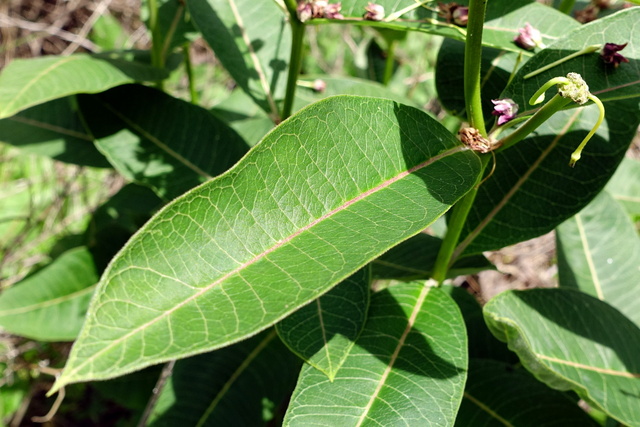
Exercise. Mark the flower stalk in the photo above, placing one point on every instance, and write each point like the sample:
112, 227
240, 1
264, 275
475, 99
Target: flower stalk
571, 88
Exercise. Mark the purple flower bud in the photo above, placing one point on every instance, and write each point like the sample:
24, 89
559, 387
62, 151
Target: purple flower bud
374, 12
529, 37
332, 11
453, 13
610, 54
305, 11
461, 16
506, 109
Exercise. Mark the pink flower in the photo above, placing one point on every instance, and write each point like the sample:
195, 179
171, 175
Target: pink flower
610, 54
374, 12
506, 109
529, 38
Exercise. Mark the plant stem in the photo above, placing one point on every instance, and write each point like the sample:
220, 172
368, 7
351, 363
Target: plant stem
156, 39
473, 102
456, 222
295, 59
389, 62
556, 103
190, 77
472, 61
566, 6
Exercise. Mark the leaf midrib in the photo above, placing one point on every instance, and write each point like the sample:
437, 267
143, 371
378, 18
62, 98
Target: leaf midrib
68, 377
48, 303
36, 79
392, 360
577, 365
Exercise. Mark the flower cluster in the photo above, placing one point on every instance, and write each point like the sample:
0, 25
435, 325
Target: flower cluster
310, 9
454, 13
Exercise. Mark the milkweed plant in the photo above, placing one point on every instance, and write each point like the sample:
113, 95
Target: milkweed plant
293, 252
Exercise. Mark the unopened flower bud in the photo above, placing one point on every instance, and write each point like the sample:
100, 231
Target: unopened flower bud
529, 38
305, 11
332, 11
374, 12
319, 85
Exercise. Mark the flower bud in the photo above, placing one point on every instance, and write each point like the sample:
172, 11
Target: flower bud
374, 12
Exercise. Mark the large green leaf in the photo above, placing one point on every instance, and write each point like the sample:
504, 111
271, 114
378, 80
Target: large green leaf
253, 43
243, 385
533, 189
496, 394
572, 341
160, 141
52, 129
599, 253
51, 304
625, 186
323, 332
482, 344
407, 368
323, 194
28, 82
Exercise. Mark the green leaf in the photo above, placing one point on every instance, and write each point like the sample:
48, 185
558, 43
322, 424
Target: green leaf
174, 25
28, 82
599, 254
624, 186
242, 385
50, 305
323, 194
52, 129
407, 368
244, 116
131, 391
482, 344
252, 42
108, 33
11, 395
414, 259
572, 341
342, 86
323, 332
160, 141
113, 223
496, 394
533, 189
